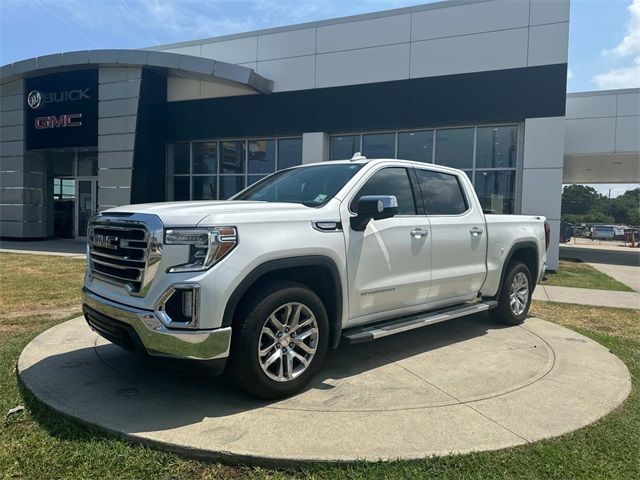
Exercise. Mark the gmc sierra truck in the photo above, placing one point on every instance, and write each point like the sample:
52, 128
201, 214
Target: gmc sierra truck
343, 251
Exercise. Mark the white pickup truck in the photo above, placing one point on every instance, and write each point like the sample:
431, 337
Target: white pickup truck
263, 284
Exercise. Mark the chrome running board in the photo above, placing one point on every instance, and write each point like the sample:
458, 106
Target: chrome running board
367, 333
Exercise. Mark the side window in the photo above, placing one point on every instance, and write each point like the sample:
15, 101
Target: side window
389, 181
441, 192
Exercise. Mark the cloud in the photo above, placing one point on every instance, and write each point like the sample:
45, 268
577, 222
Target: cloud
627, 76
570, 74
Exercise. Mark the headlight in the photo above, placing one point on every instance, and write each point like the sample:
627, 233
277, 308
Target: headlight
206, 246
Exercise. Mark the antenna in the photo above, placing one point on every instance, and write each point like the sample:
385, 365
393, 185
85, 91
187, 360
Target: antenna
358, 156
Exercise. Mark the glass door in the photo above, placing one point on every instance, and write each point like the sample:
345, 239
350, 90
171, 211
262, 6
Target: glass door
85, 204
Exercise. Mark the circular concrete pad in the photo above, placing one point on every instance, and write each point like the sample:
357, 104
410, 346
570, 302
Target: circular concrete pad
464, 385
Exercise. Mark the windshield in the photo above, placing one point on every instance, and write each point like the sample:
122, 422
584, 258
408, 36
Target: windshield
312, 186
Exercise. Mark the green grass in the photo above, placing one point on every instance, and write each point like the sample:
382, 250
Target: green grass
582, 275
38, 443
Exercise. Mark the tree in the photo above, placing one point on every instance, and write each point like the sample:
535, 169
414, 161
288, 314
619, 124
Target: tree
582, 204
580, 199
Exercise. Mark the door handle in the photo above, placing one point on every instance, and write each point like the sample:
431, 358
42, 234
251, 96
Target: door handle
475, 231
419, 233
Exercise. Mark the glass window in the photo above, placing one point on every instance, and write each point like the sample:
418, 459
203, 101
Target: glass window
312, 186
87, 164
495, 189
230, 185
232, 156
262, 156
389, 181
205, 157
181, 189
416, 146
343, 147
497, 147
379, 145
179, 158
454, 147
289, 152
441, 192
204, 188
251, 179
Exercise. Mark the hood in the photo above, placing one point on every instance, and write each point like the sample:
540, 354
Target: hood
191, 213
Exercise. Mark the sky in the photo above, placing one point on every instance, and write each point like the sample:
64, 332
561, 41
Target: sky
604, 35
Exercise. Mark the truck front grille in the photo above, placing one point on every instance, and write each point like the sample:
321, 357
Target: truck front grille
124, 252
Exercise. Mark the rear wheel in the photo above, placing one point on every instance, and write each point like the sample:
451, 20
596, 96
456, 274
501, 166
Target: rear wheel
514, 297
279, 341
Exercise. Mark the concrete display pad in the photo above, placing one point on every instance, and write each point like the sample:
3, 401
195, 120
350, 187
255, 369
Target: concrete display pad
460, 386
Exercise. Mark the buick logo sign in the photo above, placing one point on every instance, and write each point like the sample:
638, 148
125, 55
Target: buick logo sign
34, 99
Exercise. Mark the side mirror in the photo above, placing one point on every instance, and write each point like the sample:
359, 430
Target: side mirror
374, 207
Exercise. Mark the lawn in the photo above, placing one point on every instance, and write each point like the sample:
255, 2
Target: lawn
37, 292
583, 275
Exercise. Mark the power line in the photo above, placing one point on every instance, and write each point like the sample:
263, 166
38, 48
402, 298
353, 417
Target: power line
70, 25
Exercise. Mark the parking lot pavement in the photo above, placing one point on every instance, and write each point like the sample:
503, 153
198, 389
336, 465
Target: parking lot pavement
602, 254
59, 246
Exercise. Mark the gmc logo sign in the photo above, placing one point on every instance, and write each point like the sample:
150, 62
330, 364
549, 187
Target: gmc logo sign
60, 121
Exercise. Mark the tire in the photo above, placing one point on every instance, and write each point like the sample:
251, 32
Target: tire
252, 349
514, 313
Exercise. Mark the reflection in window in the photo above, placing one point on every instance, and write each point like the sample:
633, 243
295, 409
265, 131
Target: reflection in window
454, 147
87, 164
379, 145
262, 156
495, 189
416, 146
389, 181
205, 157
179, 158
343, 147
289, 152
230, 185
232, 155
497, 147
204, 188
181, 188
251, 179
441, 193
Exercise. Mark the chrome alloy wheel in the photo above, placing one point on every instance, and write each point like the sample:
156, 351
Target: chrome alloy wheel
519, 293
288, 342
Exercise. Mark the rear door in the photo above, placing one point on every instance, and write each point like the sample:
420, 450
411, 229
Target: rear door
458, 236
387, 263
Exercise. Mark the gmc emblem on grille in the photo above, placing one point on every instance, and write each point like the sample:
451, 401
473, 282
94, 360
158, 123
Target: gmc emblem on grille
105, 241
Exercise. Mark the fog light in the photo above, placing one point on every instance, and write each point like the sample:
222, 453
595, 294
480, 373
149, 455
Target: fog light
178, 306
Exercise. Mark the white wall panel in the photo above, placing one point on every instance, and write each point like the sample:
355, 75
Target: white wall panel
182, 89
315, 147
472, 18
365, 33
628, 134
544, 142
549, 11
469, 53
590, 135
297, 73
293, 43
542, 191
548, 44
189, 50
239, 50
367, 65
590, 107
628, 104
220, 89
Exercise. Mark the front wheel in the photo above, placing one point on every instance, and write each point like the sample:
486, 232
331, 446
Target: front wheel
514, 297
279, 341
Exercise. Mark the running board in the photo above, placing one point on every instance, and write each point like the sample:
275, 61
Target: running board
367, 333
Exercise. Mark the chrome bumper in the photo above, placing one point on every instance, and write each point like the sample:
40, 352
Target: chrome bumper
156, 338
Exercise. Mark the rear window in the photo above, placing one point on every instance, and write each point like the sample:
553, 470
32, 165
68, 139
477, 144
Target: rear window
442, 193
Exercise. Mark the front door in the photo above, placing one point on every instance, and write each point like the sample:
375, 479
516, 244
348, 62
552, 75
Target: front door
388, 264
85, 204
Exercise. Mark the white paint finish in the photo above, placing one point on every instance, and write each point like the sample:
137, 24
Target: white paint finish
116, 143
179, 88
590, 135
591, 106
287, 44
628, 104
115, 90
548, 44
469, 53
118, 74
544, 142
368, 65
366, 33
628, 135
472, 18
240, 50
549, 11
542, 191
315, 147
553, 252
221, 89
188, 50
297, 73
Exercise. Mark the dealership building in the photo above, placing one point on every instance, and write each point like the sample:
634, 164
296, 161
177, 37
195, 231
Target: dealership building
474, 84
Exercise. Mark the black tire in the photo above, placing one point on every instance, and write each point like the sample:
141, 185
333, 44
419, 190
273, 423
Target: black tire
503, 313
243, 365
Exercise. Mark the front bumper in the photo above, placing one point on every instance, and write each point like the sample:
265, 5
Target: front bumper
136, 329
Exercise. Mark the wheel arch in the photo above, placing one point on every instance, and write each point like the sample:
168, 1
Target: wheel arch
526, 252
318, 272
